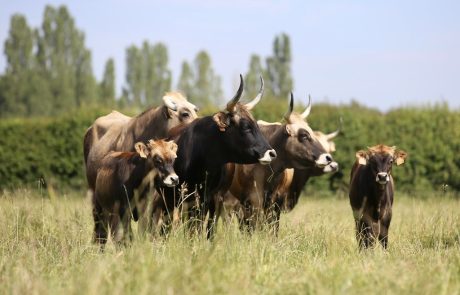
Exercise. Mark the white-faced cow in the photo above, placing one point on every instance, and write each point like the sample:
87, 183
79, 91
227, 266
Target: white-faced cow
371, 192
207, 144
124, 177
297, 147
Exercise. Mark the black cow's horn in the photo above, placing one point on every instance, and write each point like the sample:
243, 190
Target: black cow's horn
291, 107
305, 113
231, 104
256, 100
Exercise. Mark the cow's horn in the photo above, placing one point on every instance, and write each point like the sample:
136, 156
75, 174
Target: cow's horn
305, 113
335, 133
169, 103
287, 116
231, 104
256, 100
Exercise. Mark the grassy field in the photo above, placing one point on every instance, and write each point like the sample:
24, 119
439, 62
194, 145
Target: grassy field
45, 248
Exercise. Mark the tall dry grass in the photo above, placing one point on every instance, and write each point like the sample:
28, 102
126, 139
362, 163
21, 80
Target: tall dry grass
45, 248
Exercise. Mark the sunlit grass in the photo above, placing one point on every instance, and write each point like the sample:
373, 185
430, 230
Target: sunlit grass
45, 248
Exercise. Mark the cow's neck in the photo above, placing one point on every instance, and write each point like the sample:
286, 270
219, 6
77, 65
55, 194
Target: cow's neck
199, 156
151, 124
277, 141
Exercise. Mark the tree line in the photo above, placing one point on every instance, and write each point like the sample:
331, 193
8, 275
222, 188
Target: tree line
50, 149
49, 71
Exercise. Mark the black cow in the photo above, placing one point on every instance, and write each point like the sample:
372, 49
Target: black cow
371, 193
206, 145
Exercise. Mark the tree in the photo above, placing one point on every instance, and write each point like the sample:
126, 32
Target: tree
252, 78
134, 76
186, 80
64, 60
207, 88
148, 76
279, 67
107, 85
19, 58
157, 76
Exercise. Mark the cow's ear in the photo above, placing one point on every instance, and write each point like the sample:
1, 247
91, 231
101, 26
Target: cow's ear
400, 157
221, 120
362, 157
141, 149
172, 146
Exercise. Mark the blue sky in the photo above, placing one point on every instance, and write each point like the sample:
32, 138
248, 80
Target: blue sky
383, 54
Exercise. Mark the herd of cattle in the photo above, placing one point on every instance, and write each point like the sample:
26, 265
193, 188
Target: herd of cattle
145, 167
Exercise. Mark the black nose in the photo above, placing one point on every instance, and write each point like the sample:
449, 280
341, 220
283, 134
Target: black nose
272, 154
382, 177
328, 158
175, 180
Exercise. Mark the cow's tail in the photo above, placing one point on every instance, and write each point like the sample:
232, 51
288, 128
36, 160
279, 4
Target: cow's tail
87, 143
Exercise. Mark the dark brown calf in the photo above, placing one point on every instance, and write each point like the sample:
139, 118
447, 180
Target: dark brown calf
125, 178
371, 193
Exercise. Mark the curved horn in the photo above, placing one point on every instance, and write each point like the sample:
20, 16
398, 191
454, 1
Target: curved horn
291, 107
169, 103
305, 113
231, 104
335, 133
256, 100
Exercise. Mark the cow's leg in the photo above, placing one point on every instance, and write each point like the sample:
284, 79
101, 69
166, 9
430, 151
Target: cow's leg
100, 224
125, 218
212, 220
384, 227
363, 234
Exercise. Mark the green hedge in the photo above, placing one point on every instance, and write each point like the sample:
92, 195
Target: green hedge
51, 148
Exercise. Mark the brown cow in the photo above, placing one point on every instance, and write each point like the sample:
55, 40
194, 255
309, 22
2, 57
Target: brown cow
125, 178
296, 179
292, 181
296, 146
371, 193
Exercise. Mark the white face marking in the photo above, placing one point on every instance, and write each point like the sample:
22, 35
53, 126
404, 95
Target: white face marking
331, 167
382, 178
171, 180
324, 160
267, 158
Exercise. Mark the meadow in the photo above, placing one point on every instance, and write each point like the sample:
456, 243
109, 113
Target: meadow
46, 248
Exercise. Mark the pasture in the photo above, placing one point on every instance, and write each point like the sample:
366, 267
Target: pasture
45, 248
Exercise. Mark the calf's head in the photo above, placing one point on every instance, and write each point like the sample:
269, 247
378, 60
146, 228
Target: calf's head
160, 156
241, 135
380, 159
302, 145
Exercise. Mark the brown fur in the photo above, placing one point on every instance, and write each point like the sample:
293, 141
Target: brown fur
124, 179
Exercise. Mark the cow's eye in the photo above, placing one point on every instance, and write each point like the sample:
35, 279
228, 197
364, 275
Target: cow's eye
157, 161
305, 136
185, 115
391, 161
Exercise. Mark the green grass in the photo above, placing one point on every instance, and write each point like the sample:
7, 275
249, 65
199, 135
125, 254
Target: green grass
45, 248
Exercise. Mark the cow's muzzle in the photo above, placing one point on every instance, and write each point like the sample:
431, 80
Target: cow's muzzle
323, 160
331, 167
171, 180
268, 157
382, 178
